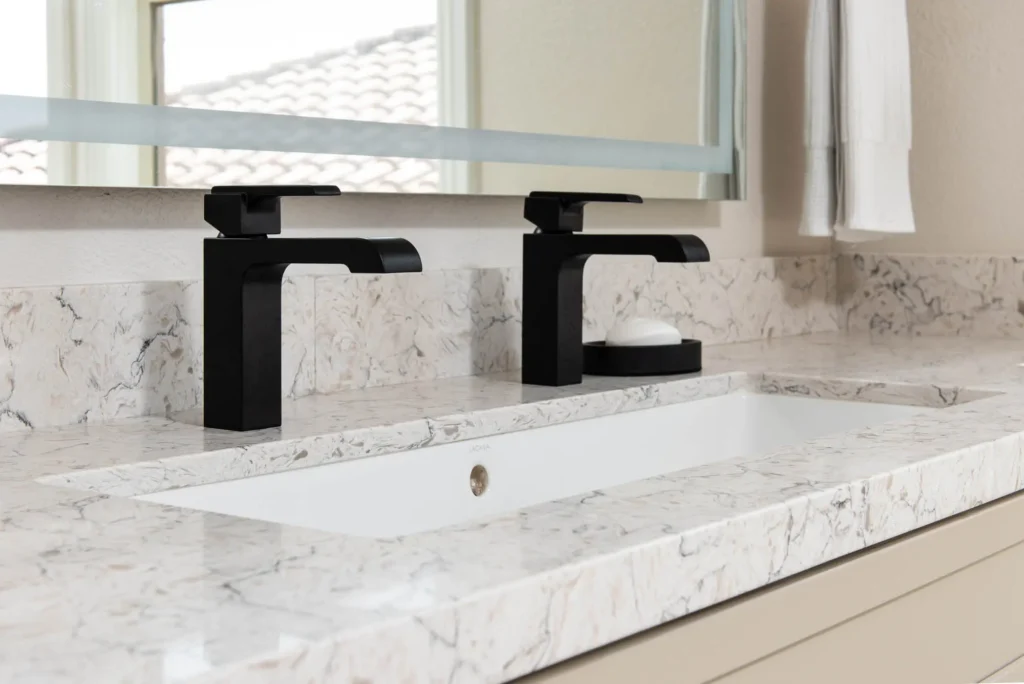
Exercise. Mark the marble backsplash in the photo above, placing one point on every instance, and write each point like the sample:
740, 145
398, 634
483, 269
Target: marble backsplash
931, 295
379, 330
99, 352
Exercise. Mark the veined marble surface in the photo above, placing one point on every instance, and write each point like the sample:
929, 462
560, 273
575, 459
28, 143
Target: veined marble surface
734, 300
101, 352
94, 353
901, 294
106, 589
382, 330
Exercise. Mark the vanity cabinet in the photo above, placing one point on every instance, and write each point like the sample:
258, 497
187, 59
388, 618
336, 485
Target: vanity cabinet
943, 604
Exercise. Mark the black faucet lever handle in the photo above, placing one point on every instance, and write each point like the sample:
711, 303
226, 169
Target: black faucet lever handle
562, 212
254, 211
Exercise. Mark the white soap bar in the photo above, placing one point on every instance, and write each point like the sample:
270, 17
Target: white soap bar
642, 332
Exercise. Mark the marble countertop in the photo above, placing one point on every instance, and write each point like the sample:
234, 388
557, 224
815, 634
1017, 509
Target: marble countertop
95, 587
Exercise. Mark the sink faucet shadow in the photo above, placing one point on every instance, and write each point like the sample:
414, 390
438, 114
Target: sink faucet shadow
242, 270
553, 260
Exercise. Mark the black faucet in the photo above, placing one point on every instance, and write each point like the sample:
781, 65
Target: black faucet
553, 260
242, 269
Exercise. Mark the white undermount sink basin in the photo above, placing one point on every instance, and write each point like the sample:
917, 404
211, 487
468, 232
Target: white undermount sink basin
429, 488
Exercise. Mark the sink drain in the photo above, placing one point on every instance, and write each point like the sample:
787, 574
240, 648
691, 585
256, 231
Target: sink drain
478, 480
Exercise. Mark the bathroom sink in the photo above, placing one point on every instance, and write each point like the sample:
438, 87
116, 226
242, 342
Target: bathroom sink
433, 487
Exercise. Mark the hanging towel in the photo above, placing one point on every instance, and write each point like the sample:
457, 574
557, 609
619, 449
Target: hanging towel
858, 127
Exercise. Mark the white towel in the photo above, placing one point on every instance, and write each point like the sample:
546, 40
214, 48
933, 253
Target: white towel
858, 129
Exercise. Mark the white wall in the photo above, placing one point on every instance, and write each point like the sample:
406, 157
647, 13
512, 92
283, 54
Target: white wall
52, 235
84, 235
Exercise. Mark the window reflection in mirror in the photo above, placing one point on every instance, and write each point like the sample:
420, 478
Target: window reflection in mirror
342, 59
571, 75
24, 161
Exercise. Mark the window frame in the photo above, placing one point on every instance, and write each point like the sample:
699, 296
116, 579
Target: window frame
151, 33
83, 38
458, 89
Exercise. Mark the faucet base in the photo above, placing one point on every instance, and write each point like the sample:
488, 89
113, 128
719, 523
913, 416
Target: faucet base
662, 359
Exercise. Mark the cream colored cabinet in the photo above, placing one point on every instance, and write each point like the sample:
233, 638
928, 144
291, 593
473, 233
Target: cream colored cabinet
944, 604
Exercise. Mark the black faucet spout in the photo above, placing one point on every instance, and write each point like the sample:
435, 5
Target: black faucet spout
665, 248
361, 255
242, 334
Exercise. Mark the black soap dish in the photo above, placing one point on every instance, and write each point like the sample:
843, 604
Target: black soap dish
662, 359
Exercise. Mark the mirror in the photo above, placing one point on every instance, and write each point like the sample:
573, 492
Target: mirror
490, 97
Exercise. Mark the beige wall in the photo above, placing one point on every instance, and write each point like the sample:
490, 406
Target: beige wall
81, 235
596, 68
600, 68
967, 171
